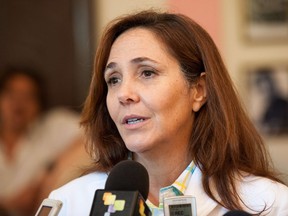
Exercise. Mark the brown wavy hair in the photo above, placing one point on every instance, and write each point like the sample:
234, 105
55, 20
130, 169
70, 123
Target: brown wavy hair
224, 143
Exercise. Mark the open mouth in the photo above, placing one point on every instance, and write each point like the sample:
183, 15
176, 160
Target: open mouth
134, 120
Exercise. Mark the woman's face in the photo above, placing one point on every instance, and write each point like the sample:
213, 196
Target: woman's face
148, 97
19, 105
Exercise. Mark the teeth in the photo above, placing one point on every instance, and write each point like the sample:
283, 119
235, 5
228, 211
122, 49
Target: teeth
134, 120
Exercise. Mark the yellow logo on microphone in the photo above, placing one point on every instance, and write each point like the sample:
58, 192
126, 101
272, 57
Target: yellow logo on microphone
112, 203
115, 205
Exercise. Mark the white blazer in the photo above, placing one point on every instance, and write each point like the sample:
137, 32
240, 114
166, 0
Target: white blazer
257, 192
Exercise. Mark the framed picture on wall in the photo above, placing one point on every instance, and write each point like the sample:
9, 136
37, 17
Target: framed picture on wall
267, 98
266, 20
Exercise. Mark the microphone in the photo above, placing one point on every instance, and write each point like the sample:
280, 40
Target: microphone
49, 207
180, 205
236, 213
125, 192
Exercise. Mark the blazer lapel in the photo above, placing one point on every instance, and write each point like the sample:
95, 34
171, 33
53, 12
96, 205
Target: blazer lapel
204, 204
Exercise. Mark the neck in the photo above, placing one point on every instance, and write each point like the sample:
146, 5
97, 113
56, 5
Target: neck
10, 140
163, 169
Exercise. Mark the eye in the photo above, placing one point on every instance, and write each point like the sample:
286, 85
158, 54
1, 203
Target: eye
148, 73
113, 80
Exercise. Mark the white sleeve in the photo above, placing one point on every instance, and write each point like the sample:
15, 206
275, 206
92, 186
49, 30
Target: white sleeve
280, 206
261, 193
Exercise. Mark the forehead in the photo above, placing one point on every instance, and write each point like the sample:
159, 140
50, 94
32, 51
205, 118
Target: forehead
20, 81
139, 42
20, 78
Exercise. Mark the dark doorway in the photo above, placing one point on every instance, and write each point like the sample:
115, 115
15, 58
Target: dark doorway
54, 38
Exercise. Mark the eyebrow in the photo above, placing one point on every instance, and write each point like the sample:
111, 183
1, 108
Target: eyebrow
142, 59
111, 65
137, 60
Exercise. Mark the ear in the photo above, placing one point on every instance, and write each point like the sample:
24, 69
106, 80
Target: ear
199, 93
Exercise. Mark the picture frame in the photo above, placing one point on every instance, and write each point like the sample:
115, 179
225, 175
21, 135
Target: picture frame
266, 20
266, 98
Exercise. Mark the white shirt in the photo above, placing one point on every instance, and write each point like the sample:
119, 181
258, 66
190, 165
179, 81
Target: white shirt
257, 192
46, 140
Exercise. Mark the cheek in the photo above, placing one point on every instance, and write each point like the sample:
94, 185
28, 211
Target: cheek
5, 105
168, 98
34, 108
173, 106
111, 106
161, 105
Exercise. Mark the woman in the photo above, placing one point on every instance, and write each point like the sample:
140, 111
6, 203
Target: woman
26, 129
22, 101
161, 92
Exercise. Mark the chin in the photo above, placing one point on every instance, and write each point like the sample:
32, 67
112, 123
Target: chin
137, 148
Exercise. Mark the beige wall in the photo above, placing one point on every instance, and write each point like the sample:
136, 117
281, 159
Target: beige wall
240, 53
106, 10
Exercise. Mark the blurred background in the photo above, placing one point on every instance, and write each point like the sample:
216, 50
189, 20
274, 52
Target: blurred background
54, 38
58, 39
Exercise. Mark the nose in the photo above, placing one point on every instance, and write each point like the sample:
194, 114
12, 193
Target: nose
127, 93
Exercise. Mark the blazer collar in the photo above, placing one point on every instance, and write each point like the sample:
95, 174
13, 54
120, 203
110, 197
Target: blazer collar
204, 204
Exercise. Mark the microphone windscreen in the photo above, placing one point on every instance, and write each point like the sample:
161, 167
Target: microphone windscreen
237, 213
129, 175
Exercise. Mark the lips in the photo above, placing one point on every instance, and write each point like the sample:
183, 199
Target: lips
134, 120
130, 120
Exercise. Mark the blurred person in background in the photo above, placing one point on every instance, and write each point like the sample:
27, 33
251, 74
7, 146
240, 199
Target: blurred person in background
37, 147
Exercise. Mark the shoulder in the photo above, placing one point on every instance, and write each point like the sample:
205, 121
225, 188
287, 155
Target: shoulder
261, 193
255, 186
90, 181
261, 184
59, 129
257, 193
65, 120
77, 195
